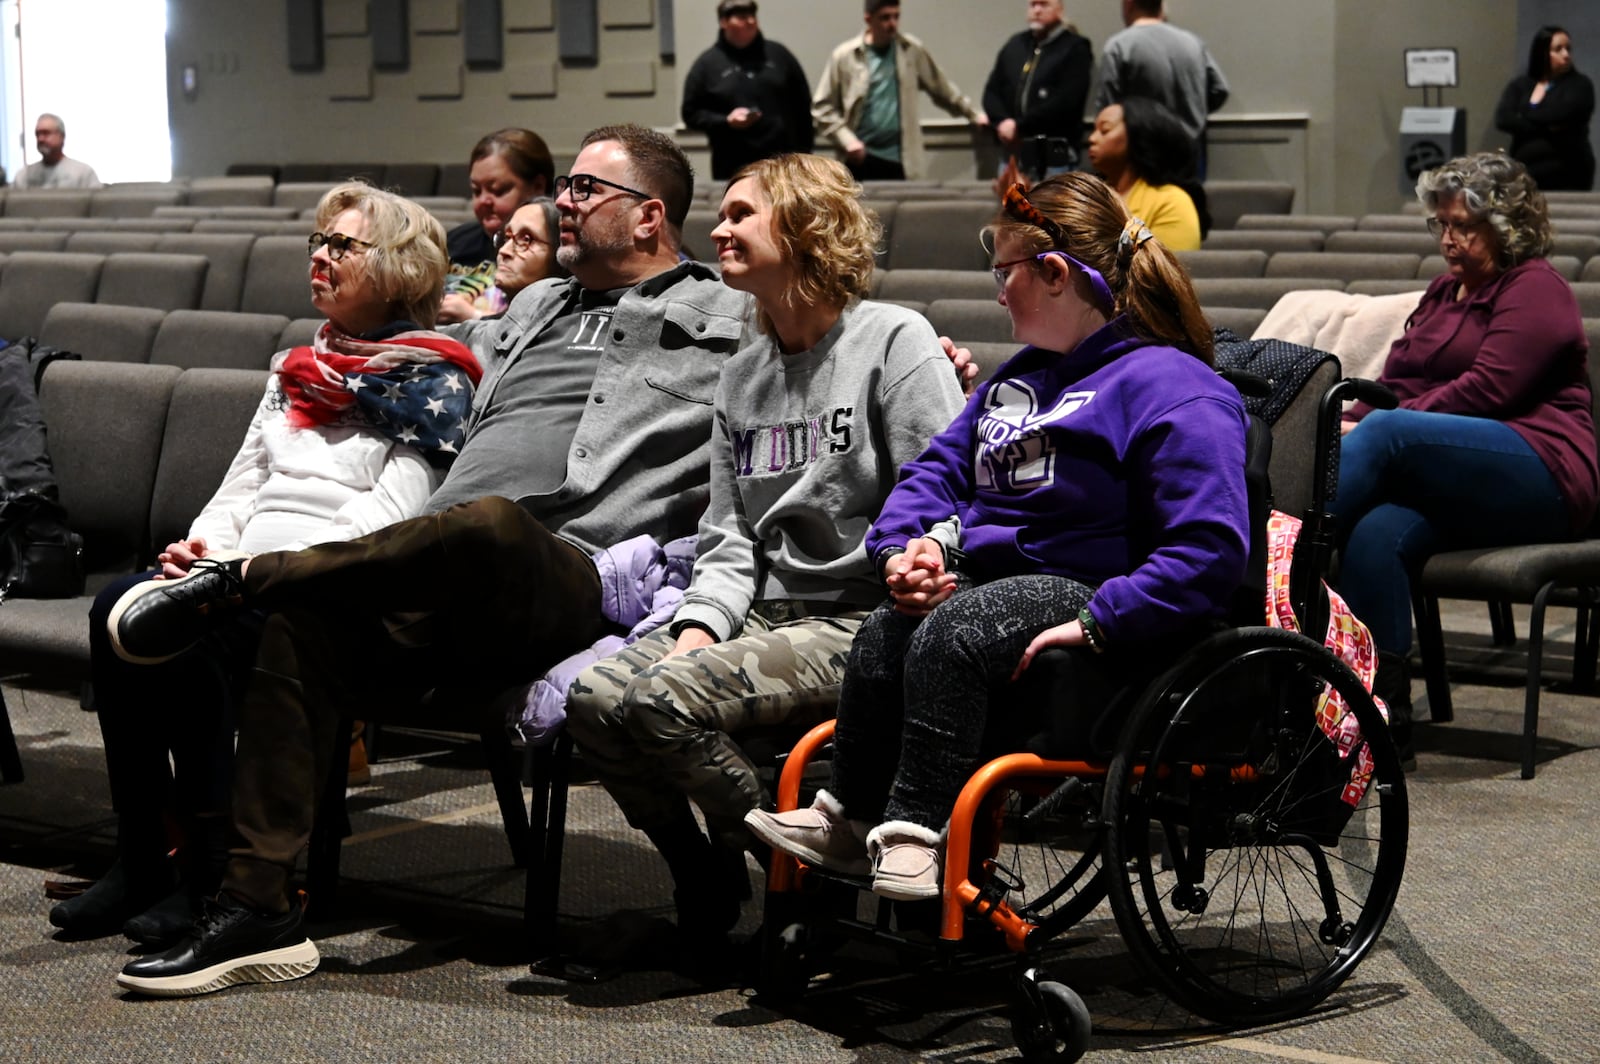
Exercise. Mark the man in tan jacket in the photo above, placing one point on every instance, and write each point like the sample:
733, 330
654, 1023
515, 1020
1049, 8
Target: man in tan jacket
866, 100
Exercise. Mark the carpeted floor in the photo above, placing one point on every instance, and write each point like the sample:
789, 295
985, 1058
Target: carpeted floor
1490, 954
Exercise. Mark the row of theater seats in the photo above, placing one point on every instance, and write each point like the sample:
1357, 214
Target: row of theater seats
179, 201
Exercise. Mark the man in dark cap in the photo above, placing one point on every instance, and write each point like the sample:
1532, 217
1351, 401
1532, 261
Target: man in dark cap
747, 94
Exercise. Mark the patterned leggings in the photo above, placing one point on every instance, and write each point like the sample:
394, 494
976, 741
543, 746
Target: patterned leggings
919, 693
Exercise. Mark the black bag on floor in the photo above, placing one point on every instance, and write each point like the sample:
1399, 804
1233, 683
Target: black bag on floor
40, 557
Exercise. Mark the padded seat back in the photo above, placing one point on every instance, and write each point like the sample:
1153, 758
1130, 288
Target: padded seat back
411, 179
153, 279
107, 241
106, 422
1268, 240
47, 203
1209, 262
969, 320
939, 235
697, 227
455, 179
1382, 242
1228, 201
300, 195
1368, 287
131, 203
1322, 223
298, 333
207, 418
217, 339
1243, 321
34, 281
102, 332
32, 240
1257, 292
1344, 267
237, 191
226, 253
275, 278
928, 285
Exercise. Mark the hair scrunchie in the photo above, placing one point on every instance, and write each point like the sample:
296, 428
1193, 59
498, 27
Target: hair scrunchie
1134, 234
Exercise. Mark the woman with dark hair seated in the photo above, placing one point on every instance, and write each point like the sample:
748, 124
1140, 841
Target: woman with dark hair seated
1143, 152
812, 424
509, 168
1547, 112
1493, 442
343, 443
1091, 496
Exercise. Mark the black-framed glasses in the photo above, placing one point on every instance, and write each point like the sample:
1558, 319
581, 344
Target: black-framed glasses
337, 244
582, 187
523, 241
1097, 281
1458, 230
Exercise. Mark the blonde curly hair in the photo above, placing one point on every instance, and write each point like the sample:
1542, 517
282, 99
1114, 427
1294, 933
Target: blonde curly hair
407, 260
821, 226
1497, 189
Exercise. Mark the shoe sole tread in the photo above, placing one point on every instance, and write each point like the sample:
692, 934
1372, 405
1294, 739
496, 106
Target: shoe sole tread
272, 966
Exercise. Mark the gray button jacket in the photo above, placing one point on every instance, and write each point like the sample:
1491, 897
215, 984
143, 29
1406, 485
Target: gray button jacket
640, 460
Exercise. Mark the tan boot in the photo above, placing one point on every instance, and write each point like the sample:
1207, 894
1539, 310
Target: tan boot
360, 774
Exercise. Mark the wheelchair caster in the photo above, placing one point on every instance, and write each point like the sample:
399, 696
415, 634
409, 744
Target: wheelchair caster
1050, 1024
785, 963
1190, 899
1336, 932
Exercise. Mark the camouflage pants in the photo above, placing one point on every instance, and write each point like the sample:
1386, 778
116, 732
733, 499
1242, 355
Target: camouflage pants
661, 733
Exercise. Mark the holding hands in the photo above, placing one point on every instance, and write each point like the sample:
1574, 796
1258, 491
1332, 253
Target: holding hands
916, 578
177, 558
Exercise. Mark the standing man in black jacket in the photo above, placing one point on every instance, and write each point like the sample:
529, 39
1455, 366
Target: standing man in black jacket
1037, 89
747, 94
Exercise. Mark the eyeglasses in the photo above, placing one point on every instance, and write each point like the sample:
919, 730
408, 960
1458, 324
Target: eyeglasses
523, 242
337, 244
582, 186
1458, 230
1097, 280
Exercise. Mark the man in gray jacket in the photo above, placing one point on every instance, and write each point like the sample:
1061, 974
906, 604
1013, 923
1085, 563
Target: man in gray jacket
594, 414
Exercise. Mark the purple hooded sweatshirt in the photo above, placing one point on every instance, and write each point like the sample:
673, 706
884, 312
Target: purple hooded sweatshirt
1120, 465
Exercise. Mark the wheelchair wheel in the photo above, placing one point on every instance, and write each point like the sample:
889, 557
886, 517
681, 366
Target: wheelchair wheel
1053, 859
1251, 874
1050, 1022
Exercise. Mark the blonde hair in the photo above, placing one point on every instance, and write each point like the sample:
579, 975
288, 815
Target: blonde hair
407, 260
821, 226
1081, 215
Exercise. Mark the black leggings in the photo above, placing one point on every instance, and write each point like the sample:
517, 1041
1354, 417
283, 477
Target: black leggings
919, 694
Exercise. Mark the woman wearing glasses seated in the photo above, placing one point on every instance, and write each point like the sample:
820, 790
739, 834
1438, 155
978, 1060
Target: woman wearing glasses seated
811, 425
525, 253
1493, 442
1090, 496
509, 167
351, 435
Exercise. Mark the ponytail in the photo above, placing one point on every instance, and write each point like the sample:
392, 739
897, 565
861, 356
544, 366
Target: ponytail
1079, 214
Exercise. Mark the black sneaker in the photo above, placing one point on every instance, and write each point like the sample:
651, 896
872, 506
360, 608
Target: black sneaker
157, 620
230, 944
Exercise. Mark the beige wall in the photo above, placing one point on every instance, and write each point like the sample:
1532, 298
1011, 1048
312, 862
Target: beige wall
1317, 84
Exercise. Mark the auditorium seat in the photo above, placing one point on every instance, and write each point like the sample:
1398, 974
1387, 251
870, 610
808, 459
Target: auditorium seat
1228, 201
242, 191
697, 227
227, 253
1343, 267
217, 339
254, 212
1321, 223
1211, 262
299, 332
275, 278
164, 280
1393, 223
970, 320
300, 195
47, 203
1242, 321
252, 227
131, 203
411, 179
70, 224
455, 179
1588, 293
1255, 292
105, 241
101, 331
31, 240
929, 285
1268, 240
34, 281
253, 170
302, 173
939, 235
1369, 287
371, 173
1382, 241
153, 224
203, 431
1582, 245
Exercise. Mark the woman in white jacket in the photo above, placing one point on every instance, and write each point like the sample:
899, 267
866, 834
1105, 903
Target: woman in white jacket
352, 434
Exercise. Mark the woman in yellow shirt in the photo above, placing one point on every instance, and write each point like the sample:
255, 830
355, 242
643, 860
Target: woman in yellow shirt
1140, 150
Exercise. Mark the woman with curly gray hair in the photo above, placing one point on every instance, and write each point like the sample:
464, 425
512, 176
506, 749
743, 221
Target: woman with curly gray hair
1493, 441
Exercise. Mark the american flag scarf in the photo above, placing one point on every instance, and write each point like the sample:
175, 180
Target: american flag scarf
414, 387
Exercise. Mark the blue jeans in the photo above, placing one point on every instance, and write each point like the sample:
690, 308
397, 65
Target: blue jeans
1413, 484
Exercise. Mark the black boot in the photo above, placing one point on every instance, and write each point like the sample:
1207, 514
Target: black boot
201, 860
141, 876
1393, 685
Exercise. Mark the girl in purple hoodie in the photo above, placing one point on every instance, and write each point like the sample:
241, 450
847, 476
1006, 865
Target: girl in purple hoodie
1091, 495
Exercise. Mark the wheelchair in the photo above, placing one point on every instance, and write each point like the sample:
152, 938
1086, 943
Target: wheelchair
1248, 828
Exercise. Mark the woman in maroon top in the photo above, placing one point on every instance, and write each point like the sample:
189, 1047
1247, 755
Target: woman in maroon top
1493, 442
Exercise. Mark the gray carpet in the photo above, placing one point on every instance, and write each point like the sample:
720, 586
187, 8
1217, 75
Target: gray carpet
1490, 955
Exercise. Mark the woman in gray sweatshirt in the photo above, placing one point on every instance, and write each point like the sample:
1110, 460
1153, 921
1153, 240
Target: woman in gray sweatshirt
812, 424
